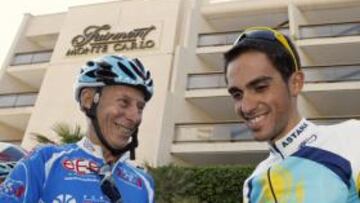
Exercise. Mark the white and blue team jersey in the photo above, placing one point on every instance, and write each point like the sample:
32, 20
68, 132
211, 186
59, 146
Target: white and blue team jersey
69, 174
311, 164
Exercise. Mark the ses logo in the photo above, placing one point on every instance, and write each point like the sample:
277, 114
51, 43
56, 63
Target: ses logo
94, 199
80, 166
12, 188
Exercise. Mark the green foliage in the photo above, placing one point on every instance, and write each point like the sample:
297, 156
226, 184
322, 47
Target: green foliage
64, 131
42, 139
176, 184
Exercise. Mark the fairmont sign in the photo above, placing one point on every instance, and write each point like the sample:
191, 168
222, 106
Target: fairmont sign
99, 39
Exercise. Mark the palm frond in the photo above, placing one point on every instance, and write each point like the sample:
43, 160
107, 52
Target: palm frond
42, 139
67, 134
64, 132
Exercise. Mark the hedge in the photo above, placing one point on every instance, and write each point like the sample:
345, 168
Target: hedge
175, 184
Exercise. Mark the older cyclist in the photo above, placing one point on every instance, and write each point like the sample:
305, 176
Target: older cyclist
112, 91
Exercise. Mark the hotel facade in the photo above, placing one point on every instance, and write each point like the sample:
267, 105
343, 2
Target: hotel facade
190, 120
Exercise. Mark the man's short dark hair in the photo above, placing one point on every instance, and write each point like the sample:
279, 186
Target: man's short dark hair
279, 56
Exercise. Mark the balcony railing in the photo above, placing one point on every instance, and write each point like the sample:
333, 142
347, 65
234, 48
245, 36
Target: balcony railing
18, 100
223, 38
339, 73
218, 132
306, 32
32, 58
233, 131
206, 80
313, 74
330, 30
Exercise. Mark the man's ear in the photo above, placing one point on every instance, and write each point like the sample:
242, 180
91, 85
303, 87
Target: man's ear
86, 98
296, 83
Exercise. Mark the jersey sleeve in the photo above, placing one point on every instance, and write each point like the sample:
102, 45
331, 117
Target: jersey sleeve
354, 125
149, 184
152, 186
25, 182
349, 136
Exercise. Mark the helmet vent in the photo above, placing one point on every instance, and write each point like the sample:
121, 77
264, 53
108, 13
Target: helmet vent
139, 64
90, 63
90, 74
138, 72
126, 71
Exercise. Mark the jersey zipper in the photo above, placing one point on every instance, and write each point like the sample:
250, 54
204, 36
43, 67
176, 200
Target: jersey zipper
271, 186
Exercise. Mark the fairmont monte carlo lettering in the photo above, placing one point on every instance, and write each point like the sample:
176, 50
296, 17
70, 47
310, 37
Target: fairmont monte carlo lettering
99, 39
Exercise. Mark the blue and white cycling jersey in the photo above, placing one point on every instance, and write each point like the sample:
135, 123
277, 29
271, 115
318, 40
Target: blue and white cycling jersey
311, 164
69, 174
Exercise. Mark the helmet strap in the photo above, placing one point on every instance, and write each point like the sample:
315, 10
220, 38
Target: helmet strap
92, 114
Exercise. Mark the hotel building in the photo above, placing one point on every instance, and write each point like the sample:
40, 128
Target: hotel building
190, 119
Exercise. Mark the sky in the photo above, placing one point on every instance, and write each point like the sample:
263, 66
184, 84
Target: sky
12, 12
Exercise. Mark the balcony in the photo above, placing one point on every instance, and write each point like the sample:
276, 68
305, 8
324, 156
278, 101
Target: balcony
206, 132
330, 30
216, 143
230, 131
224, 38
314, 74
332, 43
234, 15
43, 30
30, 68
18, 100
336, 85
329, 11
32, 58
226, 142
335, 43
15, 112
211, 46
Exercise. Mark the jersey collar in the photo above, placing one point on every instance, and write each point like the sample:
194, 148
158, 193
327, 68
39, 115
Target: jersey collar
95, 150
296, 138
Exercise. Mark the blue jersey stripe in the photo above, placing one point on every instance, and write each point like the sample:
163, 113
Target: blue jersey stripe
334, 162
250, 189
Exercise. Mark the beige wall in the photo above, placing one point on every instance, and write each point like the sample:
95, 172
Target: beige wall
54, 103
10, 134
45, 24
9, 84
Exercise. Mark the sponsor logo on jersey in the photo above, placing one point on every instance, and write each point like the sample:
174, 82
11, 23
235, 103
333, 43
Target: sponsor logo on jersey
129, 177
64, 198
94, 199
80, 166
294, 135
308, 140
12, 188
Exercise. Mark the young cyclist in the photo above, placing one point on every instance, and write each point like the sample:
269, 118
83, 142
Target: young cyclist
307, 162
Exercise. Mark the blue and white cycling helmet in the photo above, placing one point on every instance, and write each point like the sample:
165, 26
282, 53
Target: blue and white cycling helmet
114, 70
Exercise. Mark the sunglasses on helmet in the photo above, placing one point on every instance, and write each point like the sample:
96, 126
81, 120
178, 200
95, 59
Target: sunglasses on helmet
266, 33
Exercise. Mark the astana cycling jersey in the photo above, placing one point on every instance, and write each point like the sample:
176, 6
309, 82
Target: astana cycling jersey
312, 164
69, 174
